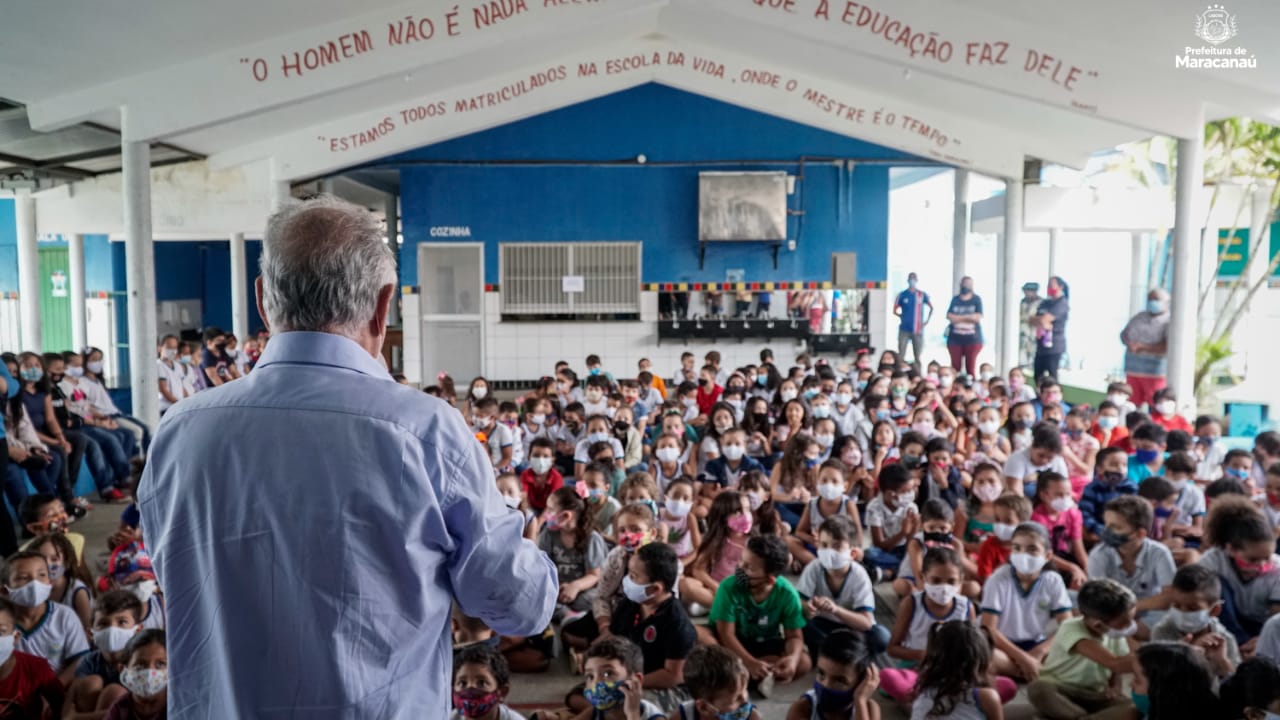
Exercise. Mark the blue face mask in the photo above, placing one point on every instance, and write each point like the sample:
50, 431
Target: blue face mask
1142, 702
882, 414
605, 695
762, 380
1155, 307
810, 394
831, 701
811, 463
595, 371
742, 713
1236, 473
1146, 457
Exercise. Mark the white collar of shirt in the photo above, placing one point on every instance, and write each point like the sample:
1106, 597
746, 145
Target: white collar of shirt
318, 348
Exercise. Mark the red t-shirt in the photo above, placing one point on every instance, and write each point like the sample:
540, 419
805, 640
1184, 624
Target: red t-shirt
991, 554
1171, 422
1063, 531
537, 494
1119, 438
706, 400
122, 709
22, 693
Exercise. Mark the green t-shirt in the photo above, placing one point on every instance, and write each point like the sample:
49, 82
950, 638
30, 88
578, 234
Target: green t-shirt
754, 621
1065, 667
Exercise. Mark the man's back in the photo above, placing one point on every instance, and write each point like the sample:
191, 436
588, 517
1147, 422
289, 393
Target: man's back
310, 525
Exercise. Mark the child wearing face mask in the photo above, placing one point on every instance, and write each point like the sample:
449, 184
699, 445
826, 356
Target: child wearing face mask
510, 489
1195, 601
1111, 481
569, 538
833, 501
1128, 556
824, 433
116, 620
666, 464
48, 630
481, 681
937, 521
599, 430
595, 399
129, 568
847, 414
1089, 656
765, 518
837, 591
892, 518
1079, 450
1010, 512
1107, 428
146, 677
1022, 417
729, 522
1164, 412
911, 456
541, 478
985, 443
1172, 682
27, 682
978, 513
1019, 600
1242, 553
726, 471
635, 526
681, 526
845, 682
1057, 513
954, 680
942, 479
71, 579
1186, 526
497, 437
1148, 457
478, 390
717, 680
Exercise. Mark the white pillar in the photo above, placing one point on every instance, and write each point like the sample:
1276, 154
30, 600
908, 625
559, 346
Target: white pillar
1137, 273
140, 276
1185, 252
959, 229
239, 288
79, 318
280, 189
1055, 235
1010, 288
1208, 280
28, 274
392, 212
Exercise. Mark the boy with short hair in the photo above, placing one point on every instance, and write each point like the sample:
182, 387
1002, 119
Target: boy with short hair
1187, 524
596, 399
27, 682
652, 617
892, 517
846, 681
1238, 466
1020, 599
709, 389
724, 472
1127, 556
497, 438
837, 591
632, 398
1010, 512
1111, 480
1195, 603
1088, 656
48, 630
758, 614
1044, 453
541, 478
117, 617
1148, 451
42, 513
717, 680
481, 681
614, 675
509, 415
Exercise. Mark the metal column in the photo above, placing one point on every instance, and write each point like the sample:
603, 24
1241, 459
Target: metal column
140, 276
959, 229
392, 212
79, 317
239, 289
1055, 235
1186, 253
1010, 293
28, 274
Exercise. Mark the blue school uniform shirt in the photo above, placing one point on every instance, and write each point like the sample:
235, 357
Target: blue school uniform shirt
320, 520
1139, 471
912, 303
1095, 497
718, 472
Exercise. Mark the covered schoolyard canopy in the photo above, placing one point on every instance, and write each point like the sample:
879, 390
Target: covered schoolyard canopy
293, 90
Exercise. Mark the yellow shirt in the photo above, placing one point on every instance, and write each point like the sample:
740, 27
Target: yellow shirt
1066, 667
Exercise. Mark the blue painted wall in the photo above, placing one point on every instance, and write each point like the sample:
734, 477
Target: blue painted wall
8, 246
845, 207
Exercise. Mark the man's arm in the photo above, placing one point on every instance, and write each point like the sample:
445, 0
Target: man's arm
496, 575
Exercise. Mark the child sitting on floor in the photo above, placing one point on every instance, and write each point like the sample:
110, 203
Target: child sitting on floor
1010, 512
1195, 603
936, 523
728, 525
1056, 511
837, 591
1129, 557
844, 685
27, 683
955, 680
1018, 602
892, 518
717, 680
146, 676
481, 681
116, 620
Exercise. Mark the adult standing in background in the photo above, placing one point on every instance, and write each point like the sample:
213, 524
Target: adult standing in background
910, 307
1028, 308
1050, 325
318, 518
1146, 344
964, 336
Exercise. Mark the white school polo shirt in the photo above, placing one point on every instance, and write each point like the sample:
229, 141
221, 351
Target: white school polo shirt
58, 637
1152, 572
1024, 615
855, 595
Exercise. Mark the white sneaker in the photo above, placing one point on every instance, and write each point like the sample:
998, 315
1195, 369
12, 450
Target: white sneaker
698, 610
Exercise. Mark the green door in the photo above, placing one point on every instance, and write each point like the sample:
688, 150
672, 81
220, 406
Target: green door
55, 299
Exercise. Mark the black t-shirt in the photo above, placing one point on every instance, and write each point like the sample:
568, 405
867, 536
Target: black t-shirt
666, 635
66, 419
219, 361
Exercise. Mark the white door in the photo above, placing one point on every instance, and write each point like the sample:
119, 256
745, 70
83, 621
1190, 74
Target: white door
451, 285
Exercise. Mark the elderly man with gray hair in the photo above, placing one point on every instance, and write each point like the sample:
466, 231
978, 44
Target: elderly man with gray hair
1146, 342
312, 525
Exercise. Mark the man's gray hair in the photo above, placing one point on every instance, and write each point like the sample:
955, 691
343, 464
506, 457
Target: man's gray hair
323, 264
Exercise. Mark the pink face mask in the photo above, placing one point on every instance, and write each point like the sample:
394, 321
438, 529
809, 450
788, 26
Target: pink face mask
740, 523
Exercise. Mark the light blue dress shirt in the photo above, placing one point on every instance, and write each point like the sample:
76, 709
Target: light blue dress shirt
311, 525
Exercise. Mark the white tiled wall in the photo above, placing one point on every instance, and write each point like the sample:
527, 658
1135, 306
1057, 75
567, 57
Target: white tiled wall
10, 332
526, 350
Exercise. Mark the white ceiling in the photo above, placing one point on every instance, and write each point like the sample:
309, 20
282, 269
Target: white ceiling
175, 67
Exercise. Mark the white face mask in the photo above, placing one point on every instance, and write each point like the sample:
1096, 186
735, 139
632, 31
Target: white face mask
75, 371
540, 465
1026, 563
1107, 422
1117, 399
788, 395
1062, 504
1003, 532
941, 594
844, 398
1166, 407
988, 427
732, 453
924, 428
1179, 485
144, 590
987, 493
824, 441
678, 508
144, 683
821, 411
597, 437
113, 639
169, 353
667, 454
512, 501
537, 419
831, 491
479, 391
1189, 621
594, 395
1124, 632
634, 591
32, 594
755, 500
95, 367
833, 559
